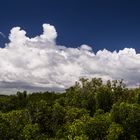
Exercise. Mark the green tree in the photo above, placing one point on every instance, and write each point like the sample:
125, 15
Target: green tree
30, 132
104, 98
76, 131
97, 127
115, 132
12, 124
128, 115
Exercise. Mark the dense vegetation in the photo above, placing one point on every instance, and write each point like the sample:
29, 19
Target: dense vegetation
89, 110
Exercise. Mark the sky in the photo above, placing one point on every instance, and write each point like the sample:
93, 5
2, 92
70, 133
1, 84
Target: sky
111, 24
49, 44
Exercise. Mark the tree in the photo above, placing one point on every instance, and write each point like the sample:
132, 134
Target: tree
104, 98
30, 132
73, 113
12, 124
76, 131
115, 132
128, 115
97, 127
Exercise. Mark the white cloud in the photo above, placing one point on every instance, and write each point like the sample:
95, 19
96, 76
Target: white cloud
40, 64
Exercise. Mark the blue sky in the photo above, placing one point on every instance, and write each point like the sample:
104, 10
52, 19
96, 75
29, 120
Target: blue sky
111, 24
52, 43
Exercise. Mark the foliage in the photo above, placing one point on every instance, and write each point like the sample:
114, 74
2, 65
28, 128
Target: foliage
89, 110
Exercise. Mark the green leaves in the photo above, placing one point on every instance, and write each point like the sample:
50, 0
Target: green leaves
128, 115
12, 123
30, 131
97, 127
104, 98
115, 132
89, 110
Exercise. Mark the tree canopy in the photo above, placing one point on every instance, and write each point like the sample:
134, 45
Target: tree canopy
89, 110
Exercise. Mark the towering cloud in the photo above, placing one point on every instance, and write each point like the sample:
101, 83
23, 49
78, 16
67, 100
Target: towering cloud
40, 64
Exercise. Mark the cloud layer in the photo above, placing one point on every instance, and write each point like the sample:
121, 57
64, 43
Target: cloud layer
40, 64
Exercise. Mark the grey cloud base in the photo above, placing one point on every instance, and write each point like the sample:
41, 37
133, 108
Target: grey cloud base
40, 64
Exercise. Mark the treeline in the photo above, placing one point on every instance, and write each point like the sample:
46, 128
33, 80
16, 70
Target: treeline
89, 110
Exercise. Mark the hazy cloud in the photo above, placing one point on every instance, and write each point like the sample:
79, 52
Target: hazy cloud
39, 63
3, 35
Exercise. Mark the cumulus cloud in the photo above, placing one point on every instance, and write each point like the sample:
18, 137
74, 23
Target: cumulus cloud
40, 64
